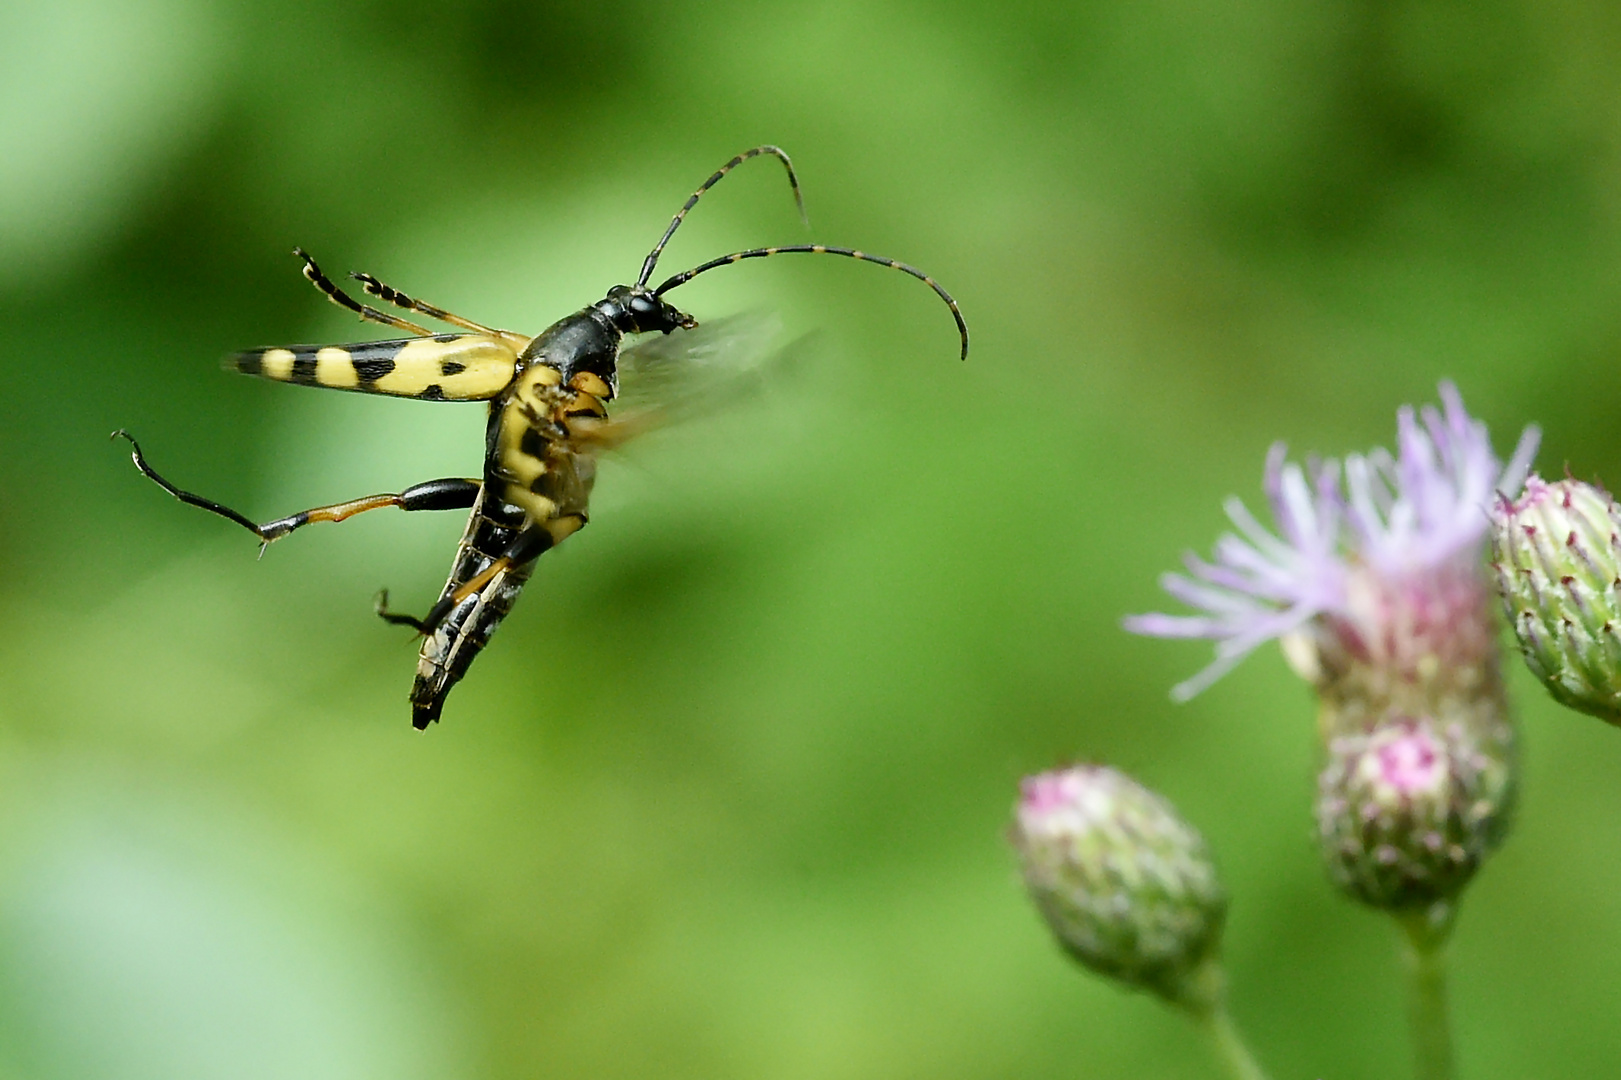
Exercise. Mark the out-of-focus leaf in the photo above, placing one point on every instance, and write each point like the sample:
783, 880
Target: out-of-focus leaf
97, 97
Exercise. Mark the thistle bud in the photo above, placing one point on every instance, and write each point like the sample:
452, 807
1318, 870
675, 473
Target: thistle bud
1125, 884
1407, 813
1557, 553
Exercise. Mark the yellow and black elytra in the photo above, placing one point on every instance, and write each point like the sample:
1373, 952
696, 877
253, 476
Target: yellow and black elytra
548, 418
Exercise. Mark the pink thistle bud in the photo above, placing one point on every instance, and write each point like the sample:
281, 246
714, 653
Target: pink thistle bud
1407, 813
1125, 884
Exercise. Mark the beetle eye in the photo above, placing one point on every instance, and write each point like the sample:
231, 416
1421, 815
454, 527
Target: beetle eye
646, 312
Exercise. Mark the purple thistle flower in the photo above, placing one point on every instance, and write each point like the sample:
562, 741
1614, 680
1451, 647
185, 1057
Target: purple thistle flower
1378, 557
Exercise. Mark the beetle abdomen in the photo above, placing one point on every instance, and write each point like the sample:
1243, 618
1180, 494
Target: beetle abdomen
449, 650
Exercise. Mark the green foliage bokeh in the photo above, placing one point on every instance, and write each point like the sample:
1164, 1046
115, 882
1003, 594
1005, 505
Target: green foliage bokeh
725, 797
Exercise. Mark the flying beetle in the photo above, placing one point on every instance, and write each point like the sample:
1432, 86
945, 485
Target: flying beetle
548, 419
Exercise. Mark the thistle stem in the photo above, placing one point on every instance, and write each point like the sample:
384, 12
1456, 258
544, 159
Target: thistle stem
1424, 957
1229, 1046
1206, 1002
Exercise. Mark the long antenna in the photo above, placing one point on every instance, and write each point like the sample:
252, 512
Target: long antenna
822, 249
675, 223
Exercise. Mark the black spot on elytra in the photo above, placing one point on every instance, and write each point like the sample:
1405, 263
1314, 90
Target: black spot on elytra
432, 392
447, 368
369, 371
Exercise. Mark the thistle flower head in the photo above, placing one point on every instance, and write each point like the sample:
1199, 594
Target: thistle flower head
1556, 552
1124, 883
1408, 812
1373, 560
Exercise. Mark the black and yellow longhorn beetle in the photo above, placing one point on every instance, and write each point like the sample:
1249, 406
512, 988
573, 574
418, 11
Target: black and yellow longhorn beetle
548, 419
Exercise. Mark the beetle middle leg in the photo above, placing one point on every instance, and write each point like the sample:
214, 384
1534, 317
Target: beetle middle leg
451, 493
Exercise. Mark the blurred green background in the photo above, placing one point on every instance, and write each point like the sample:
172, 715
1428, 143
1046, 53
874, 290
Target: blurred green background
726, 796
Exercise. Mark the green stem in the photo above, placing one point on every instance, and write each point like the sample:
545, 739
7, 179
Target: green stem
1425, 960
1205, 999
1230, 1047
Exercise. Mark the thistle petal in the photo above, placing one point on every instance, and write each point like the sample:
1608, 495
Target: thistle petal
1404, 518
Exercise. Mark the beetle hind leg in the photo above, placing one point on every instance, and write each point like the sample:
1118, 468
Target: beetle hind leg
451, 493
187, 497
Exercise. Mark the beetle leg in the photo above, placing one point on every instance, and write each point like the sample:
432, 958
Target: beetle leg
451, 493
381, 604
344, 300
394, 296
527, 546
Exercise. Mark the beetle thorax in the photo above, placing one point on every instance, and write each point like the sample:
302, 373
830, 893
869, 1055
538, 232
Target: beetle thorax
584, 341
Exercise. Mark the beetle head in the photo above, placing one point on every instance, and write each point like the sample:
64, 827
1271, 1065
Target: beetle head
635, 310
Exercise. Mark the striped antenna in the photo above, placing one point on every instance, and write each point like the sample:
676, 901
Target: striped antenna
675, 223
822, 249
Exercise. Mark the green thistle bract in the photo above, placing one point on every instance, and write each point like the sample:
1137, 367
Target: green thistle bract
1407, 813
1558, 561
1126, 885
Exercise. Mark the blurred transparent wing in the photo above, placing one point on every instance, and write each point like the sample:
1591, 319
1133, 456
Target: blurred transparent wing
675, 372
671, 382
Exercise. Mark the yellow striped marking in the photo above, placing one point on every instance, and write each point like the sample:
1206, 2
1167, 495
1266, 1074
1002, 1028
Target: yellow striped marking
277, 364
564, 527
486, 368
334, 367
